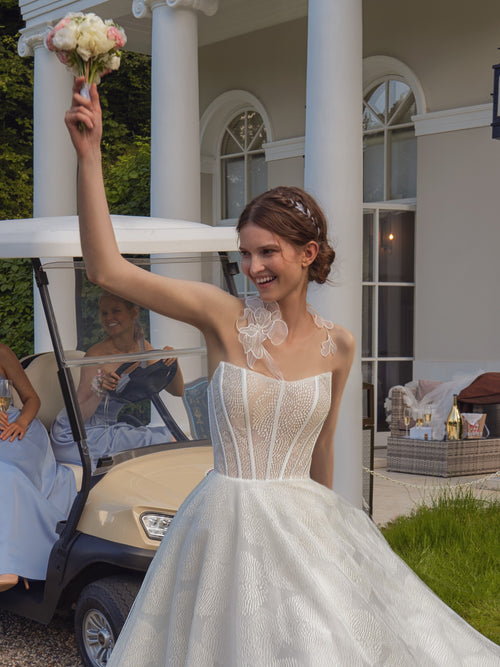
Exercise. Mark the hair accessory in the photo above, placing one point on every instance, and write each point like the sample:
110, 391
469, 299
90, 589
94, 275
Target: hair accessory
305, 211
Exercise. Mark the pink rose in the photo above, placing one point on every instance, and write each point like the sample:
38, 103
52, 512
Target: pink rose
116, 36
63, 57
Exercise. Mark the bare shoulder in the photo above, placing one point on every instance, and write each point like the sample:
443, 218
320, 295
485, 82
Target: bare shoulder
344, 340
7, 357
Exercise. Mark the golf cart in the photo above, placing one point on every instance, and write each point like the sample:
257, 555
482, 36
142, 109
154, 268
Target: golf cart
125, 499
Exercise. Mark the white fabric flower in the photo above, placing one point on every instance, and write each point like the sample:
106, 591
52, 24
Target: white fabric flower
260, 322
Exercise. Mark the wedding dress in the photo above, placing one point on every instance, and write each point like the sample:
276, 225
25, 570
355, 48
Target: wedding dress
262, 566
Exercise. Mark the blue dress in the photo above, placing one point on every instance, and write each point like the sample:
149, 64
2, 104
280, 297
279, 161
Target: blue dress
35, 494
105, 435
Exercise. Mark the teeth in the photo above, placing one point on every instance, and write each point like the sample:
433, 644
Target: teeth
262, 281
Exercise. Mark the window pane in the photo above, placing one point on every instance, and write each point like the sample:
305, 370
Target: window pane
373, 167
367, 321
376, 100
368, 220
254, 130
396, 246
398, 92
403, 163
395, 321
238, 129
390, 373
229, 145
367, 368
234, 186
370, 120
258, 175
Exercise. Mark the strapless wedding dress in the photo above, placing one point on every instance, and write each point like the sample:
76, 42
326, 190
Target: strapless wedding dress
264, 567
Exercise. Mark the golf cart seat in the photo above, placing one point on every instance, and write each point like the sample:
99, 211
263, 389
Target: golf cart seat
41, 370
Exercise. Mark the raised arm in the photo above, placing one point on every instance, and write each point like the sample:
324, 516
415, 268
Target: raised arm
198, 304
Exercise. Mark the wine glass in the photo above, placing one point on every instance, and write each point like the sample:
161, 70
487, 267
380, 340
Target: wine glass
407, 417
5, 395
420, 418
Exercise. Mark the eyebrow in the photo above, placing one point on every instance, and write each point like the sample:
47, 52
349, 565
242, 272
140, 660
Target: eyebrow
266, 246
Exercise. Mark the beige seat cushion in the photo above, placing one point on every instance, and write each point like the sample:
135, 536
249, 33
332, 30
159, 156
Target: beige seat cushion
42, 373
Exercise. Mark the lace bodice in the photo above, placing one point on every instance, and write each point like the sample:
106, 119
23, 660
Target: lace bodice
263, 427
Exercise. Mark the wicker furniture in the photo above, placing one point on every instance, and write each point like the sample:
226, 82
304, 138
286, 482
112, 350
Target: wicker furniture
440, 458
443, 458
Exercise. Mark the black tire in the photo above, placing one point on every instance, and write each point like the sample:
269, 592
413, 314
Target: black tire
101, 611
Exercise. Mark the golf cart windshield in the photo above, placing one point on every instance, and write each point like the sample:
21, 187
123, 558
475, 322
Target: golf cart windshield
140, 379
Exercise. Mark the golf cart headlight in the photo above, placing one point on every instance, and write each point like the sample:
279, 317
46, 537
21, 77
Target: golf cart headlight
155, 524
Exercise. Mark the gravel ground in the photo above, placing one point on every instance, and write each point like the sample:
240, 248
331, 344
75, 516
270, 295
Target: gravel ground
25, 643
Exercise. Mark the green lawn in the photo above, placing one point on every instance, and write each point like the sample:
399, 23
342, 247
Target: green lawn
453, 544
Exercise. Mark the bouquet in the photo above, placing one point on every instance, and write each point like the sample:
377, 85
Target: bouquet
87, 45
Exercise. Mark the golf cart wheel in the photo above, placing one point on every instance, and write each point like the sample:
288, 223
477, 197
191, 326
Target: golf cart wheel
101, 611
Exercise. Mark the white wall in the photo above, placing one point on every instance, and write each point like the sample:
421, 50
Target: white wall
457, 248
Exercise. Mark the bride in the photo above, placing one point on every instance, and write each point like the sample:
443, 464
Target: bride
263, 563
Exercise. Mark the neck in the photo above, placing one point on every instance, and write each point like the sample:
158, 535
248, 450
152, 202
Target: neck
124, 344
294, 311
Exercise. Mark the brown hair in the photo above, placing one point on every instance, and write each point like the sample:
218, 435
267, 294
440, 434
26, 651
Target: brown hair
294, 215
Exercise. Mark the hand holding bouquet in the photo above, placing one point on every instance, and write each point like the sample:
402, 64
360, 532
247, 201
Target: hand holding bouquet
87, 45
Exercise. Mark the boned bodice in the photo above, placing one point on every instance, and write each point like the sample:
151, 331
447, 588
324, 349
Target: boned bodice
263, 427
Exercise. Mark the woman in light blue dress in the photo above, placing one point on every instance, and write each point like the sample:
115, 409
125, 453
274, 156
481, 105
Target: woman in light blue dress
35, 491
102, 396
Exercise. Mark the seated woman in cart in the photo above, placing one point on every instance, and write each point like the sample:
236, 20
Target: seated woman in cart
103, 395
35, 491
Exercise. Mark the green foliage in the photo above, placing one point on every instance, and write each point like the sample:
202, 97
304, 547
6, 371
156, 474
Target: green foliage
454, 546
16, 305
125, 99
128, 181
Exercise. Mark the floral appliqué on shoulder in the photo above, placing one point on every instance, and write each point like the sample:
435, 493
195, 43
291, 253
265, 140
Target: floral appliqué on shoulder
327, 346
262, 321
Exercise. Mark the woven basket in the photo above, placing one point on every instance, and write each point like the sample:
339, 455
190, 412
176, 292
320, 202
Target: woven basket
443, 458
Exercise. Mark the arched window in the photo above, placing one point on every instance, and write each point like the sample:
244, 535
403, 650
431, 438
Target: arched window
243, 169
389, 143
389, 176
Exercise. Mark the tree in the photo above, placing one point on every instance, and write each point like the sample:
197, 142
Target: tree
125, 99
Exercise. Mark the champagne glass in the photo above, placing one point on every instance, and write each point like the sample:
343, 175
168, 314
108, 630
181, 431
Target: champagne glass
420, 418
5, 395
406, 417
428, 414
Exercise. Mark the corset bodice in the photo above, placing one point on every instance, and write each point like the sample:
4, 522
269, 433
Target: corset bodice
263, 427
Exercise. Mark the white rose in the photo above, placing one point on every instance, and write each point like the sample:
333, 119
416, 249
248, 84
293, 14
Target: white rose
65, 38
92, 43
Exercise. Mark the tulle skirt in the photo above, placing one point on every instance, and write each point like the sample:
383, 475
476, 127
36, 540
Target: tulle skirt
268, 573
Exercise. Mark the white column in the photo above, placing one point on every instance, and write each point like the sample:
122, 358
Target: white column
54, 176
175, 141
333, 173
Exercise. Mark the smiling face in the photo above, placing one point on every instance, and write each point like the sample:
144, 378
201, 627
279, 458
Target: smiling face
274, 265
116, 317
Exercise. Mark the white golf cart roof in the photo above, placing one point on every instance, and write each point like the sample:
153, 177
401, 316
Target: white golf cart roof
58, 236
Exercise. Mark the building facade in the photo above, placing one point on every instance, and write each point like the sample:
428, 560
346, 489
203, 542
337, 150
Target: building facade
380, 108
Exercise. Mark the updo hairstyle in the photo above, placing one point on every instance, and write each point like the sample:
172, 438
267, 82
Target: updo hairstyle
294, 215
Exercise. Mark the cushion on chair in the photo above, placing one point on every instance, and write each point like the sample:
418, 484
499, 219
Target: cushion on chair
196, 404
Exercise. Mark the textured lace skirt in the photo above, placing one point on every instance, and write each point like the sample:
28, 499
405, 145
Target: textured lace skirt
268, 573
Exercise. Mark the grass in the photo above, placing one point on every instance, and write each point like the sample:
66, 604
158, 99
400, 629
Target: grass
453, 544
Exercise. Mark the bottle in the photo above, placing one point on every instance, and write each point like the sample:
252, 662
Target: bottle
454, 422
